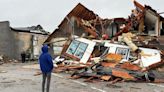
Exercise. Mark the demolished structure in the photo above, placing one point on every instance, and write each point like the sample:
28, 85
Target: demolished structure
110, 49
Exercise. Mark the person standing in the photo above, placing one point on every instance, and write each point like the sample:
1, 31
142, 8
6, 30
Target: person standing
23, 56
46, 66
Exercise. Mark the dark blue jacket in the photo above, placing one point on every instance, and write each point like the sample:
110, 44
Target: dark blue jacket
45, 60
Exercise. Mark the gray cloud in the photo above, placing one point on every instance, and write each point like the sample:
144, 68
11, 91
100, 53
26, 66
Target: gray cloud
49, 13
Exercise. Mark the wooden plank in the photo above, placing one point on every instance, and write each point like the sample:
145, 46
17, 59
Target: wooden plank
122, 74
108, 64
130, 66
106, 77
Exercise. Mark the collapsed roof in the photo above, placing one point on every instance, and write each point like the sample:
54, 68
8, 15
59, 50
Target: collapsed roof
144, 20
79, 11
128, 52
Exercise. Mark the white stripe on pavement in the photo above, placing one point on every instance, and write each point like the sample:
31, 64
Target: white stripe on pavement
78, 82
158, 85
57, 75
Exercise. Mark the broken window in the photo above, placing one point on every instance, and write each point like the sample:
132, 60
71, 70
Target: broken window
119, 49
80, 49
77, 48
123, 51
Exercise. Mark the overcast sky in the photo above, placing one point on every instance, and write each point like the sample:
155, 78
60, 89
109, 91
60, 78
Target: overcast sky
49, 13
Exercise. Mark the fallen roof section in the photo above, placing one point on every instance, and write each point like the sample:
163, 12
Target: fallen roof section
80, 11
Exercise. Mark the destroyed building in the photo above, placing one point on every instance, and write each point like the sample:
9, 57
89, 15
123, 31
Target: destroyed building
149, 21
83, 22
147, 24
16, 40
66, 27
143, 20
127, 49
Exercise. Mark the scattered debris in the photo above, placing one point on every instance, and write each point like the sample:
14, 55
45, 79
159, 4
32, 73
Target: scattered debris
135, 88
115, 50
105, 77
37, 73
3, 71
130, 66
5, 59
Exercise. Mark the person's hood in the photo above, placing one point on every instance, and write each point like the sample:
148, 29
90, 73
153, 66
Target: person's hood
45, 49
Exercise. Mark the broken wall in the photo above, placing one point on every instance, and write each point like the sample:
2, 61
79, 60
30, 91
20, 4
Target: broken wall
151, 23
28, 42
6, 40
73, 26
39, 42
58, 45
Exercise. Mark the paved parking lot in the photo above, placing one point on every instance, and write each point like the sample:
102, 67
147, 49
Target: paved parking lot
14, 78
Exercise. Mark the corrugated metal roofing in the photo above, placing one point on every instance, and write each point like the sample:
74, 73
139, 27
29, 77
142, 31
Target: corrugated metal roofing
29, 30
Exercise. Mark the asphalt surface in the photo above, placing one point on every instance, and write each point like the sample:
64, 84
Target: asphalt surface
14, 78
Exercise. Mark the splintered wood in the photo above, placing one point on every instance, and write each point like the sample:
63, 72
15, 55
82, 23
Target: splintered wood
122, 74
130, 66
108, 64
105, 77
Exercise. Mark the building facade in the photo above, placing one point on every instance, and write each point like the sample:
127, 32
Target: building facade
14, 41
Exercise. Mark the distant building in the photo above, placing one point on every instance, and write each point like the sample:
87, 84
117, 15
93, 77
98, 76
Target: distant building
16, 40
